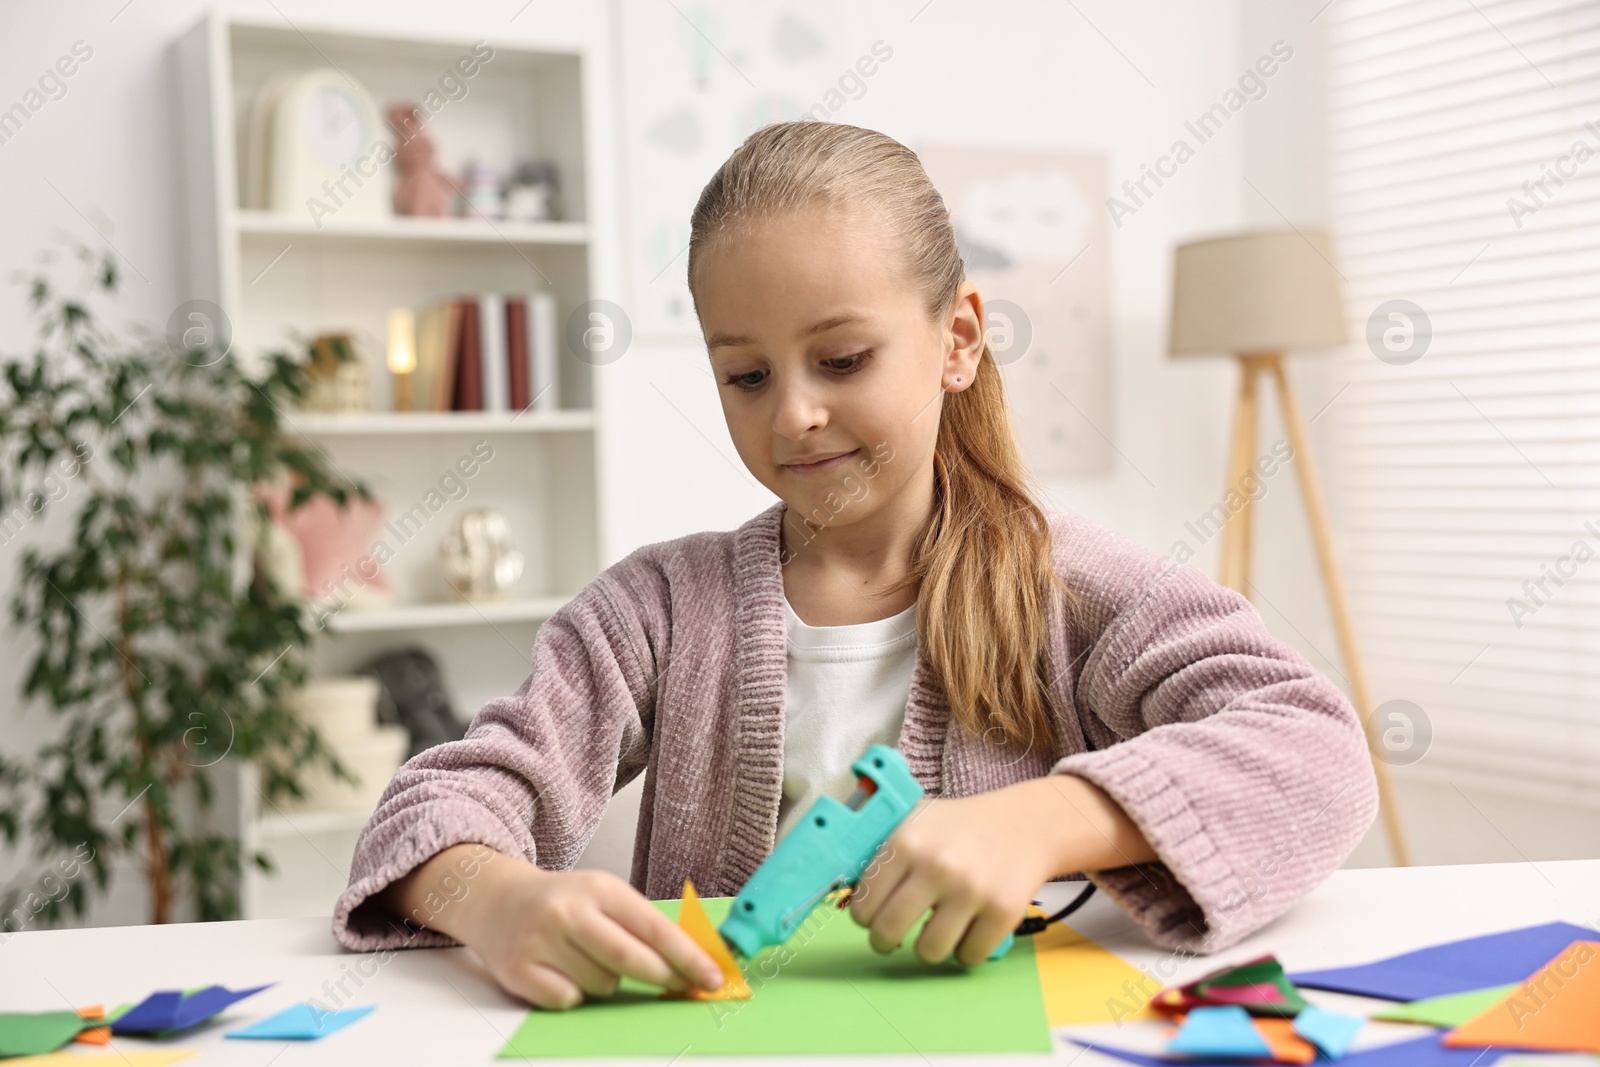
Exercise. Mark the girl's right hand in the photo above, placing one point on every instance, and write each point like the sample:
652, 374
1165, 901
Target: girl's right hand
551, 937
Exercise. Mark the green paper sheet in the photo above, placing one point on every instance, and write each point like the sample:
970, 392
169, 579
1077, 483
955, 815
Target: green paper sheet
1452, 1010
824, 991
35, 1033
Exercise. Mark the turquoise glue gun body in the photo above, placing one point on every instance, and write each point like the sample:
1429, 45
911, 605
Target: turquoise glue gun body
829, 848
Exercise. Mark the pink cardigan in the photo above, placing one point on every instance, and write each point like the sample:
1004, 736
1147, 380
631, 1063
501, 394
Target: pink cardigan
1245, 768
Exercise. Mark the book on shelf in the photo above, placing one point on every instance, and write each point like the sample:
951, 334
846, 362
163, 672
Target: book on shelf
468, 395
543, 339
492, 349
437, 343
493, 352
432, 341
517, 352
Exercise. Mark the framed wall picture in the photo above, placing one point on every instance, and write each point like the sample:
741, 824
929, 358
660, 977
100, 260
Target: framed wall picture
1038, 249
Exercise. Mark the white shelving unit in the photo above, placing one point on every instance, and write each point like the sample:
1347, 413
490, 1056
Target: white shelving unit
388, 423
421, 616
402, 230
277, 272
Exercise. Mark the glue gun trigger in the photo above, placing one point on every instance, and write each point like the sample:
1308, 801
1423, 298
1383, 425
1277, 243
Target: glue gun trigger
806, 906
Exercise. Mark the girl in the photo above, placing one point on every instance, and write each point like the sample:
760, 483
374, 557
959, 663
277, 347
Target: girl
1075, 706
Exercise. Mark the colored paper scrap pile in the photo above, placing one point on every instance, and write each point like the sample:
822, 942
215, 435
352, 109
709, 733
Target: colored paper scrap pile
1551, 1004
1259, 986
172, 1010
34, 1038
301, 1022
697, 924
1249, 1012
1535, 989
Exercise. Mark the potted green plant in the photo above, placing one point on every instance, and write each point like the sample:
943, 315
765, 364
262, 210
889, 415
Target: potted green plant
160, 642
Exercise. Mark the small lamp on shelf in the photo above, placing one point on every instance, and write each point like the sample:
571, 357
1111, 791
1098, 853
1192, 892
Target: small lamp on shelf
402, 355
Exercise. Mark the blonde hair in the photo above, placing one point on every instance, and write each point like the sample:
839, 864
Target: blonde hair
983, 558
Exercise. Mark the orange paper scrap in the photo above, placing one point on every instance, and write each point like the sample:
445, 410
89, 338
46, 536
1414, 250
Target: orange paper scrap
1286, 1045
100, 1035
697, 924
1556, 1009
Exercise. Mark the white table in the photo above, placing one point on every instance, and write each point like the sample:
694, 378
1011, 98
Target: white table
438, 1006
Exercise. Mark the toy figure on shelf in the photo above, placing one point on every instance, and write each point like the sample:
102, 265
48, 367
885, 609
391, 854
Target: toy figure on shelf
530, 194
422, 189
482, 192
413, 694
479, 562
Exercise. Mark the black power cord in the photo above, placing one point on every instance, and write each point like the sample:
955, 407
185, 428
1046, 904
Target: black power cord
1035, 924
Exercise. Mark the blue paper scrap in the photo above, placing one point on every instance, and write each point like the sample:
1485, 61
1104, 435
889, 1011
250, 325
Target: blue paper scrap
173, 1010
301, 1022
1219, 1031
1330, 1031
1453, 967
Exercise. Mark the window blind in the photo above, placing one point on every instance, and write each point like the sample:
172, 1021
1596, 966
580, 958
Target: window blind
1464, 158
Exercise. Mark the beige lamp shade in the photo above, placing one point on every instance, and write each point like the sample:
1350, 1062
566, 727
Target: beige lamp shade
1267, 290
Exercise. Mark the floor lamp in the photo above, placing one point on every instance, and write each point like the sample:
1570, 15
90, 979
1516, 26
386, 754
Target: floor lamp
1257, 295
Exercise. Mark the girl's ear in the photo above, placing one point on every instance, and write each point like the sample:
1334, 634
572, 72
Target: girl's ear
966, 338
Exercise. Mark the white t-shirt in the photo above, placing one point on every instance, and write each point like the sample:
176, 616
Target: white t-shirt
847, 689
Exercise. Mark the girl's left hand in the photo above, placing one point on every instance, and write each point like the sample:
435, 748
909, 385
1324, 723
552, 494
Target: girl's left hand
976, 861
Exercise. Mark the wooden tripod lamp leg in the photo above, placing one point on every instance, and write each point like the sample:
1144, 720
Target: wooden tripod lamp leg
1235, 567
1322, 535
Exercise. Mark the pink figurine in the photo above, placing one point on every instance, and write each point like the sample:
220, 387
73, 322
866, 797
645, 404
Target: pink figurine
422, 189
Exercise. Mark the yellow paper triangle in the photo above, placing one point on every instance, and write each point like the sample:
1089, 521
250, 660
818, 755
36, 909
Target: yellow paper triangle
1083, 982
697, 924
130, 1058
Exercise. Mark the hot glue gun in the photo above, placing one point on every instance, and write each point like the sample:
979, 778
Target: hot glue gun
829, 848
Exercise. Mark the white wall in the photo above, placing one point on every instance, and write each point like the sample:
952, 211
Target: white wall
1039, 75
